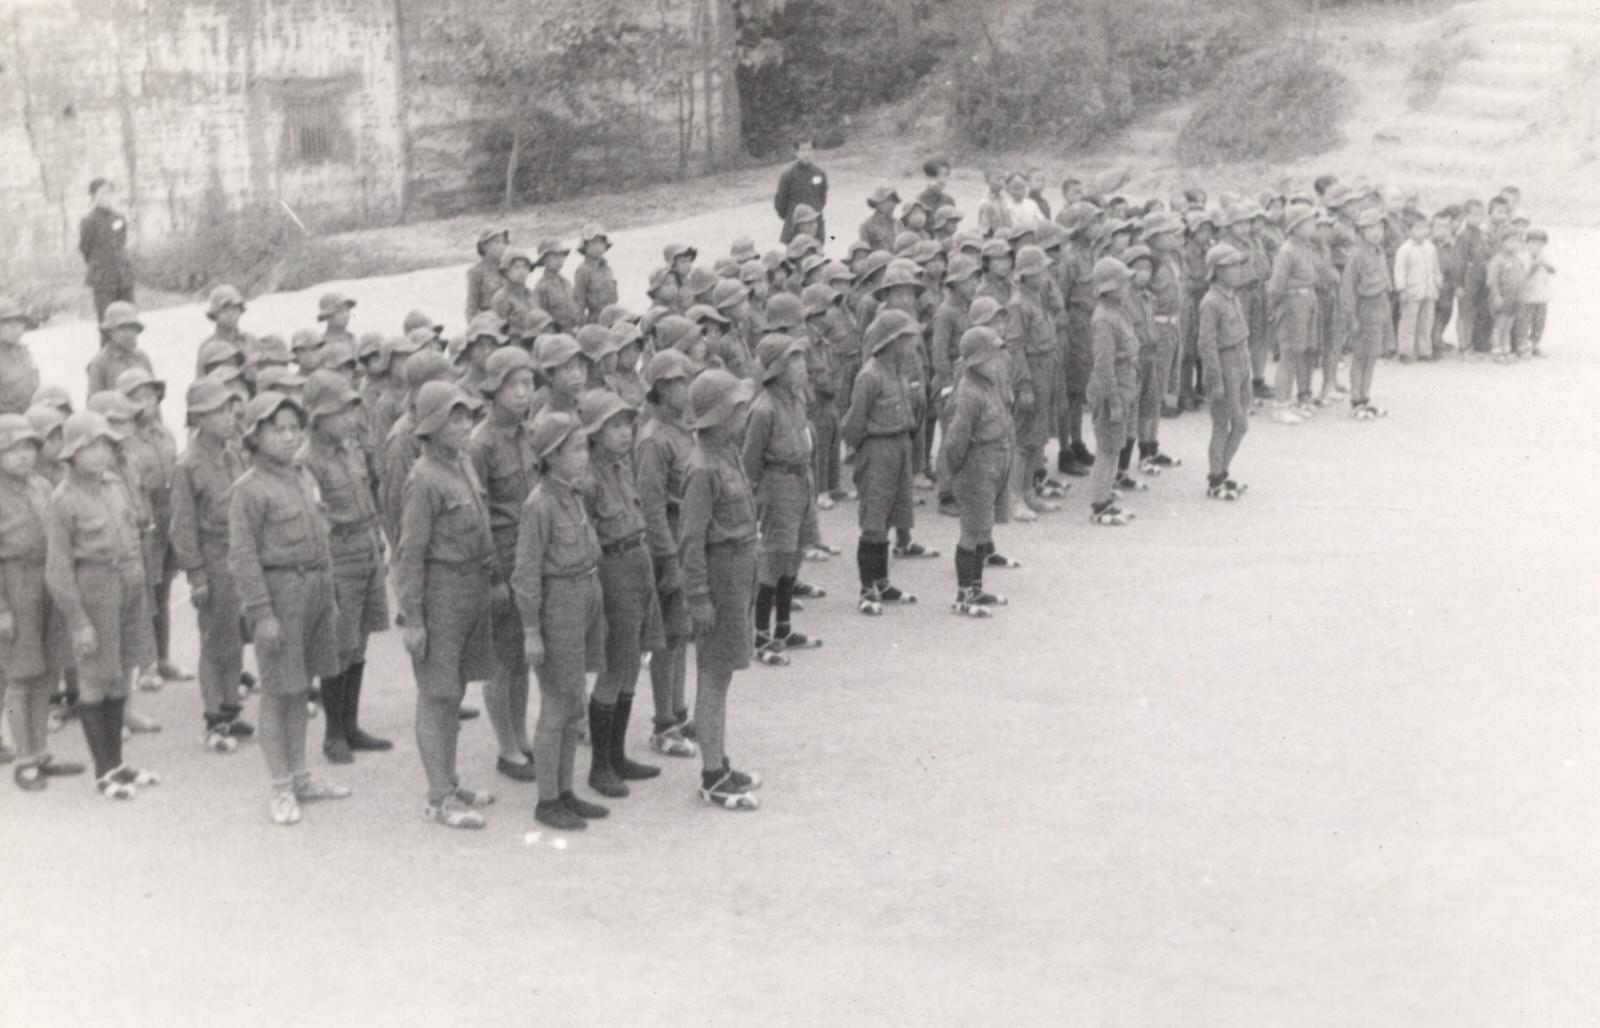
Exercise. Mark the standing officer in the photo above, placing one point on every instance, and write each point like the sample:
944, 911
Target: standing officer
103, 241
802, 184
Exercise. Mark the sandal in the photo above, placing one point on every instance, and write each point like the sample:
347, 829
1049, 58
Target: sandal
134, 776
473, 798
769, 653
312, 790
816, 553
870, 603
670, 742
914, 550
452, 813
114, 789
285, 808
30, 778
1000, 560
824, 502
809, 591
1110, 517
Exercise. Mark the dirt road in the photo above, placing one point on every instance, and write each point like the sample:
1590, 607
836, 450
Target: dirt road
1324, 757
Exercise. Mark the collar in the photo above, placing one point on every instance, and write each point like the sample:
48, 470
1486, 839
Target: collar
500, 417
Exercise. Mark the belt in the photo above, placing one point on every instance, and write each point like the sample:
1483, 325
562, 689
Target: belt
632, 542
795, 467
353, 528
303, 569
585, 573
747, 541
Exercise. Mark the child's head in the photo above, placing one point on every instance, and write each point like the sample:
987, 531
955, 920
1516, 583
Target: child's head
492, 243
996, 258
1142, 263
995, 179
1536, 240
783, 361
1443, 226
1417, 227
805, 147
1499, 210
594, 241
937, 170
666, 380
88, 442
915, 216
212, 409
445, 416
1322, 183
552, 255
516, 265
1016, 185
1071, 191
333, 407
19, 446
274, 426
334, 310
121, 324
560, 358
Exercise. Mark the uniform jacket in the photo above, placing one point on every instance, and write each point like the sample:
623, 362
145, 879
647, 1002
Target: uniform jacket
103, 242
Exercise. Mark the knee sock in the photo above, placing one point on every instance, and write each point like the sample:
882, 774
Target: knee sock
864, 564
783, 602
113, 718
333, 704
764, 596
89, 716
1126, 456
661, 688
966, 560
880, 562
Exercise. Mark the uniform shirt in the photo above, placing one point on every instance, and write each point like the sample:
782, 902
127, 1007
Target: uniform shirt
1294, 269
243, 340
718, 507
501, 451
274, 521
443, 520
153, 451
400, 451
1223, 325
980, 416
200, 484
880, 404
546, 398
614, 505
879, 230
339, 471
993, 216
555, 539
949, 325
1366, 275
339, 335
1028, 327
514, 302
19, 378
661, 461
103, 241
554, 293
777, 437
112, 360
997, 289
483, 282
594, 288
1116, 348
23, 506
88, 520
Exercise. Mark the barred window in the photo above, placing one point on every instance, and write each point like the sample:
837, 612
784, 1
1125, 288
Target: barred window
312, 127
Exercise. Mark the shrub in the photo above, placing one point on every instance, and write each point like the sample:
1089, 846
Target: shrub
1279, 104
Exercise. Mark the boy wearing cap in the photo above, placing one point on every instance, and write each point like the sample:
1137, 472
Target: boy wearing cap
594, 286
278, 554
559, 359
401, 448
1365, 292
822, 410
1535, 305
503, 458
119, 351
338, 468
153, 450
878, 426
448, 581
481, 339
1114, 383
514, 301
977, 453
949, 324
224, 307
1076, 282
553, 293
1166, 295
719, 569
333, 310
557, 588
29, 623
661, 460
1292, 303
484, 278
880, 228
19, 375
627, 587
1031, 334
210, 464
94, 569
777, 464
1223, 338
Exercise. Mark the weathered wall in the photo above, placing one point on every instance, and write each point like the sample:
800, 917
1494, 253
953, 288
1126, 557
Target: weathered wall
195, 107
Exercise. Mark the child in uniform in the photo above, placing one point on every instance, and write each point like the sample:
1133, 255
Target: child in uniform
29, 663
19, 375
484, 278
278, 554
157, 457
719, 567
1223, 342
557, 587
120, 329
594, 286
1365, 292
94, 568
553, 293
1114, 383
977, 453
1291, 295
627, 585
448, 582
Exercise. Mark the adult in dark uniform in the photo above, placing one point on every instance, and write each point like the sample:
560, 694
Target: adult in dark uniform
801, 184
103, 241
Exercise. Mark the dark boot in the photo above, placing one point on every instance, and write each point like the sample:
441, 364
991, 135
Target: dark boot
626, 769
335, 747
360, 742
602, 778
92, 717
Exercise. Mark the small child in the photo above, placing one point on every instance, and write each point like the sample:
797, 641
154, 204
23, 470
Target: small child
560, 361
29, 663
627, 585
594, 286
120, 351
94, 567
157, 457
1365, 291
557, 587
1416, 281
1536, 291
448, 582
201, 482
719, 568
553, 293
1223, 343
1113, 385
977, 453
278, 553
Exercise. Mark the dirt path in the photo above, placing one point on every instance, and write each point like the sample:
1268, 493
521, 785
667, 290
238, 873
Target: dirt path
1323, 757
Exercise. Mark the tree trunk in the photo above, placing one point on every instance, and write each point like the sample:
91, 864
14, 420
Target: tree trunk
731, 125
512, 163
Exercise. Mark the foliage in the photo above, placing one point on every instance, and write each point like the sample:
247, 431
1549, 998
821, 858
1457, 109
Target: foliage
1076, 70
1279, 104
1437, 59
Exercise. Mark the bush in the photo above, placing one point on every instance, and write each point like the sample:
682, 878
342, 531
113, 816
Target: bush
1279, 104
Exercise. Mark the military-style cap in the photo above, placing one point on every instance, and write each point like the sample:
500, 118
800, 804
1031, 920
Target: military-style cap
490, 234
305, 339
503, 363
801, 245
668, 364
904, 241
227, 374
924, 252
330, 304
486, 324
1138, 253
264, 406
1223, 255
328, 392
595, 342
219, 351
625, 334
960, 268
979, 344
16, 429
1339, 196
744, 249
547, 247
551, 429
138, 378
205, 395
1369, 217
1196, 217
372, 345
1051, 237
835, 273
530, 323
701, 313
1161, 222
221, 298
728, 294
857, 248
803, 213
121, 314
751, 272
700, 281
888, 327
901, 272
51, 394
784, 311
817, 298
45, 419
555, 350
884, 193
280, 379
913, 204
411, 342
715, 394
875, 261
772, 260
659, 278
984, 311
270, 349
1077, 216
612, 313
598, 406
672, 251
591, 232
1017, 233
774, 350
418, 319
428, 367
83, 428
337, 354
435, 402
1110, 274
1294, 215
811, 262
514, 253
995, 248
1032, 261
676, 332
11, 310
726, 268
113, 406
944, 216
